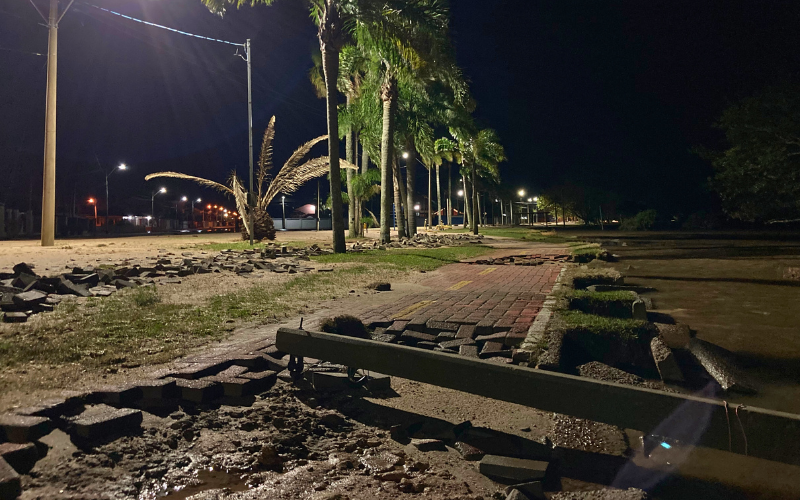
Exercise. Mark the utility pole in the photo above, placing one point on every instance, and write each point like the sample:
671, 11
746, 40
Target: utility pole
317, 203
250, 200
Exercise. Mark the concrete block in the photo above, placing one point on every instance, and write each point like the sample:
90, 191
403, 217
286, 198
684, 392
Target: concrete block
675, 336
15, 317
115, 395
199, 391
434, 326
23, 428
484, 327
665, 361
639, 310
232, 372
101, 422
468, 452
455, 344
412, 337
512, 469
10, 485
199, 370
378, 382
233, 387
30, 299
20, 456
492, 337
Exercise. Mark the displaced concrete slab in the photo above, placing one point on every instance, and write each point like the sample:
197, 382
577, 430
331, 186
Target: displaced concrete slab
262, 380
721, 365
512, 469
665, 361
533, 490
115, 395
605, 494
23, 428
199, 391
428, 444
676, 336
158, 389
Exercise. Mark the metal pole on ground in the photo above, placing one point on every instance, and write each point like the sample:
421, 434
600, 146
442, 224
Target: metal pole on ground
250, 201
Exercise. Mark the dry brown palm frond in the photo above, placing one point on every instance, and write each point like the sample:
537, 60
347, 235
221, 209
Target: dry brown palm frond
199, 180
289, 180
265, 159
301, 152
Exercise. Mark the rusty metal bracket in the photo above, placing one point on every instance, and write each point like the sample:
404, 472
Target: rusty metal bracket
772, 435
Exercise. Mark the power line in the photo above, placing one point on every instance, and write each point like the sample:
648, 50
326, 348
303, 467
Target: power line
23, 52
165, 27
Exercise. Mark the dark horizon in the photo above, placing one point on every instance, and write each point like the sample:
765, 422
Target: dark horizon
608, 94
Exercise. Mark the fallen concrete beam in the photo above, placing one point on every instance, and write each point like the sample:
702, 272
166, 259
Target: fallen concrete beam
770, 434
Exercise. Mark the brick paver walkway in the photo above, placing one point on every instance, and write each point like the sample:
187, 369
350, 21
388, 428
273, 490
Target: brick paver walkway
500, 298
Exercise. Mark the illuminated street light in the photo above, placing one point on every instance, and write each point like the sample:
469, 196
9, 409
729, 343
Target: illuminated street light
416, 207
405, 155
123, 167
283, 212
92, 201
521, 193
152, 200
461, 192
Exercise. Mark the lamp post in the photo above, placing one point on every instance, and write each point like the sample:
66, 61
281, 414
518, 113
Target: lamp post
120, 167
198, 200
92, 201
283, 212
536, 207
152, 201
521, 194
460, 193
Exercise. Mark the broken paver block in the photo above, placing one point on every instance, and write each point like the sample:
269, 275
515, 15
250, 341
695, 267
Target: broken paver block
15, 317
604, 494
232, 372
484, 327
23, 428
383, 337
428, 444
262, 380
468, 452
199, 391
520, 356
158, 389
330, 381
66, 287
397, 326
417, 325
496, 337
30, 299
199, 370
377, 382
533, 490
251, 361
467, 332
468, 350
434, 326
412, 337
515, 339
665, 361
512, 469
20, 456
101, 422
639, 310
455, 344
10, 485
115, 395
675, 336
492, 349
233, 387
445, 336
427, 345
23, 268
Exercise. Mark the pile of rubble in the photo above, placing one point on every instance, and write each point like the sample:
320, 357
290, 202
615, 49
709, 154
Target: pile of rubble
522, 260
483, 339
23, 292
420, 240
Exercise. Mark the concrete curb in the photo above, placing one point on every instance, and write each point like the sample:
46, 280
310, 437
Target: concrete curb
538, 329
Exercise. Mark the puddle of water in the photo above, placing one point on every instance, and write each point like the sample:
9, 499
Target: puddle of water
206, 480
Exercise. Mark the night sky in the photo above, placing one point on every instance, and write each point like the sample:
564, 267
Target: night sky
608, 94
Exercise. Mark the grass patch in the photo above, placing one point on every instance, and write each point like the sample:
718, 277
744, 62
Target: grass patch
418, 259
583, 277
615, 303
517, 233
245, 245
603, 326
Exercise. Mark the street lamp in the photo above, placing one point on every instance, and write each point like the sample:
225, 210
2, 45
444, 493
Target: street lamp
405, 155
92, 201
122, 166
283, 212
152, 200
198, 200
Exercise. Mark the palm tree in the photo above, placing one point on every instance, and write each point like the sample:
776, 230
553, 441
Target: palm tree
482, 153
446, 151
292, 175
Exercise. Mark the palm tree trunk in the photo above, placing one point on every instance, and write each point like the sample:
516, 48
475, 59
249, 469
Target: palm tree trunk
349, 148
330, 43
411, 171
450, 195
430, 216
467, 202
475, 210
389, 98
438, 197
399, 196
481, 214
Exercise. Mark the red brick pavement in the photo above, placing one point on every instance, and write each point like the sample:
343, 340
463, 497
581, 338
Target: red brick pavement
496, 298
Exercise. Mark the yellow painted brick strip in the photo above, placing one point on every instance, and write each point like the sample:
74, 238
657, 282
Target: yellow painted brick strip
487, 271
460, 284
413, 308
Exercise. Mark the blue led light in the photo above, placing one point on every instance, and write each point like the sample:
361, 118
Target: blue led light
665, 445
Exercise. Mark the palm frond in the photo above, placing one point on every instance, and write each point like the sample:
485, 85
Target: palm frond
300, 153
199, 180
290, 179
265, 159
